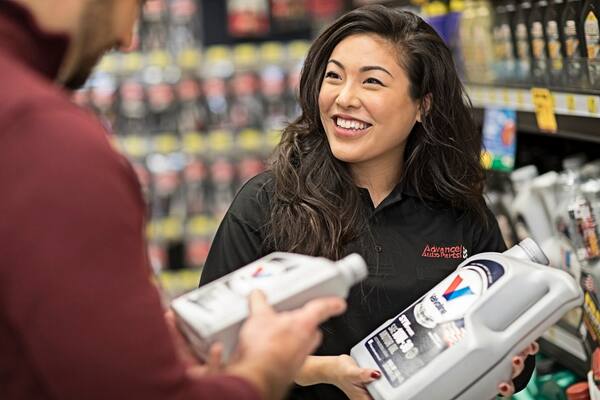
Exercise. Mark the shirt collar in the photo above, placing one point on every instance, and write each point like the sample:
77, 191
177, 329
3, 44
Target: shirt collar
21, 37
401, 190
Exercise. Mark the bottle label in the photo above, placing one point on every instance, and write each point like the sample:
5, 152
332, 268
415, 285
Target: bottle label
571, 39
592, 35
554, 47
431, 325
537, 41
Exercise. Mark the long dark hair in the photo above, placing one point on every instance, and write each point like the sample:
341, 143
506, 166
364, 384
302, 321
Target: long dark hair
316, 207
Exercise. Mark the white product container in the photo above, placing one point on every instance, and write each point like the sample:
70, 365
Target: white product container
215, 312
458, 340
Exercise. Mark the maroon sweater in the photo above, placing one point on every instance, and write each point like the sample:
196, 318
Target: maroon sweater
79, 316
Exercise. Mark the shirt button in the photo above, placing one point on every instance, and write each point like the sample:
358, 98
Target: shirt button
378, 248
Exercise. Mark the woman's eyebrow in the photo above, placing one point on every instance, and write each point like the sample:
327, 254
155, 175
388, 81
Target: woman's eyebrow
362, 69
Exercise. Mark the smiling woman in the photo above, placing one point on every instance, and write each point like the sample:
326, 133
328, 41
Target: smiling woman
383, 161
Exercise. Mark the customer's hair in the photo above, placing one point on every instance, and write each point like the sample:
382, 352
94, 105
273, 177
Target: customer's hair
316, 207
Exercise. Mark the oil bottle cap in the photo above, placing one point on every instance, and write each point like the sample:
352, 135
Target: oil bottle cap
534, 252
525, 173
578, 391
353, 268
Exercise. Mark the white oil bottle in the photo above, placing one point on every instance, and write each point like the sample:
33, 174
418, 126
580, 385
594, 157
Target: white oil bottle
458, 340
215, 312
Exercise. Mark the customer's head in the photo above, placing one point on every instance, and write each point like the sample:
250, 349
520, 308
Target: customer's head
94, 27
387, 73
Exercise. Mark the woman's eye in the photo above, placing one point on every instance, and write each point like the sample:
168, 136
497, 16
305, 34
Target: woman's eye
373, 81
331, 74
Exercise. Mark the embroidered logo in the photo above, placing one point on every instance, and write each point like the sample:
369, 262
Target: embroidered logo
458, 252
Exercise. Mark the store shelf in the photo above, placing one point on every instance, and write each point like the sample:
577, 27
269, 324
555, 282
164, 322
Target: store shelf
562, 343
577, 115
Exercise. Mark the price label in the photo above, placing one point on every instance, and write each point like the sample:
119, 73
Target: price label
221, 141
592, 104
199, 225
297, 49
245, 55
250, 140
544, 109
272, 52
217, 54
166, 143
273, 137
189, 59
520, 99
172, 228
135, 146
108, 63
153, 230
133, 62
193, 143
505, 97
159, 58
571, 107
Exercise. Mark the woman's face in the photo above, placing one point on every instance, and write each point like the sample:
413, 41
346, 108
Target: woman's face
364, 102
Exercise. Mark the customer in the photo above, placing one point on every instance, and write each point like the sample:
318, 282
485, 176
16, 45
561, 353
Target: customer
383, 161
79, 316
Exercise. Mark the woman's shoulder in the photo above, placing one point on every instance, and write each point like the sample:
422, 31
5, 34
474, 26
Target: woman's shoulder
252, 201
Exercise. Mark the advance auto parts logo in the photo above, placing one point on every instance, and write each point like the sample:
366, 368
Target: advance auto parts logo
450, 299
455, 252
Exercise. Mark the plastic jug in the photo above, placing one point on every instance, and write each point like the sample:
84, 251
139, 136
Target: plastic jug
458, 340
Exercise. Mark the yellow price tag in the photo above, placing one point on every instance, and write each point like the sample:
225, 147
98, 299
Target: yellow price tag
217, 53
193, 143
520, 99
159, 58
135, 146
592, 104
108, 63
571, 103
189, 59
505, 97
273, 137
544, 110
133, 62
486, 159
221, 141
297, 49
166, 143
153, 231
271, 52
198, 226
172, 228
245, 54
250, 140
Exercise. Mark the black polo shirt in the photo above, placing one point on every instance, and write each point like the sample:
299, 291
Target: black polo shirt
410, 247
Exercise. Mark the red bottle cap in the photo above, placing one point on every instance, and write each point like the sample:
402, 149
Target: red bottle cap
578, 391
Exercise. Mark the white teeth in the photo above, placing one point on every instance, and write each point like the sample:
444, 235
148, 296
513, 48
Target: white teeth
351, 124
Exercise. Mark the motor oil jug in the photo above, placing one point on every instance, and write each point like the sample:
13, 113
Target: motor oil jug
458, 340
215, 312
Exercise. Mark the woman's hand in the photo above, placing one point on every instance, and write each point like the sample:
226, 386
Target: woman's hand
351, 378
507, 389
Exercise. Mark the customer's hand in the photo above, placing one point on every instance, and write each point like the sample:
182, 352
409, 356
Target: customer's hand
193, 367
273, 346
507, 389
351, 379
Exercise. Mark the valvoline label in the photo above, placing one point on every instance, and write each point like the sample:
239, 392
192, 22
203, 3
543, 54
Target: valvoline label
432, 324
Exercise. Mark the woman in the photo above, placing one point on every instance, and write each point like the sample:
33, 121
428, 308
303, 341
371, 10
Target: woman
384, 161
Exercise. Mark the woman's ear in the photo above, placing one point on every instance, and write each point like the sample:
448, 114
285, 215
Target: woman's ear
424, 107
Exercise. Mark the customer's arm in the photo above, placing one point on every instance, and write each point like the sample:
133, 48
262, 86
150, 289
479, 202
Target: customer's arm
78, 292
